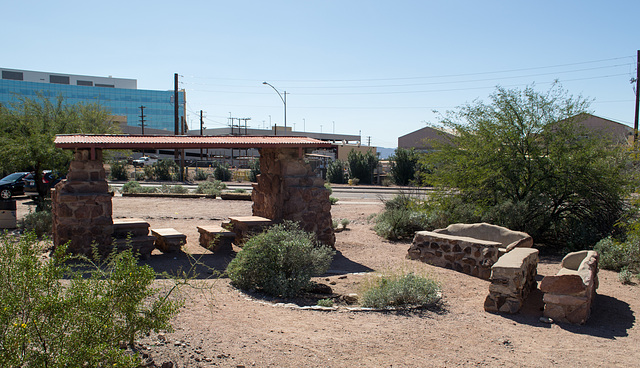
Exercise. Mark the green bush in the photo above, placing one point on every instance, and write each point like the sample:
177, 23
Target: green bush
164, 169
254, 170
336, 172
397, 290
139, 176
118, 170
222, 173
362, 165
625, 276
54, 315
279, 261
177, 189
404, 164
400, 219
328, 302
617, 255
211, 187
39, 222
201, 175
133, 187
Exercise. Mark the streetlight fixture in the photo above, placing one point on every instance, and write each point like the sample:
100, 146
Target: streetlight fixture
284, 101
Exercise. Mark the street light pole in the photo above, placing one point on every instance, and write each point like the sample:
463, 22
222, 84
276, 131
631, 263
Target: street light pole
284, 101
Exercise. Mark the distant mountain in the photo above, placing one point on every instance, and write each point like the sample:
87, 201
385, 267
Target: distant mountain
385, 152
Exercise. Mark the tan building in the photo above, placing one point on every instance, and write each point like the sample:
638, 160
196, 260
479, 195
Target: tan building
617, 132
423, 139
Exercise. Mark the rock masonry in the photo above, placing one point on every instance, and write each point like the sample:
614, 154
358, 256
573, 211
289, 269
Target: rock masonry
468, 255
513, 277
288, 189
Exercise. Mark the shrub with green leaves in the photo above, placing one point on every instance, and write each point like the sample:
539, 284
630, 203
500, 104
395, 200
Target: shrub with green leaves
133, 187
222, 173
54, 315
620, 254
201, 175
280, 261
328, 302
398, 290
38, 222
336, 172
400, 219
118, 170
254, 170
214, 187
163, 169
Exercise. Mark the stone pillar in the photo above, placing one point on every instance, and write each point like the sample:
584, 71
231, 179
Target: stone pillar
288, 189
513, 277
81, 206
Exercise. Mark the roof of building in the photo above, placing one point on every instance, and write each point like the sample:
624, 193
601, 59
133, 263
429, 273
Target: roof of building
109, 141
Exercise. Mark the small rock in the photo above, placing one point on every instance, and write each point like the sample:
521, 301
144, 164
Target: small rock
167, 365
332, 283
544, 319
342, 277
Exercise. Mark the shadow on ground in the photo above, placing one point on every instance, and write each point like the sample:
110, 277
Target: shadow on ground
204, 266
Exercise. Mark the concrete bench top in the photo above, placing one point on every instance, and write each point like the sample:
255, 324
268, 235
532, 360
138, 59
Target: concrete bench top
215, 229
130, 222
515, 258
167, 233
251, 220
432, 234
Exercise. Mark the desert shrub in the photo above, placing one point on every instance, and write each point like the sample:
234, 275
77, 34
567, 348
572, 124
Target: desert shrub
78, 322
201, 175
118, 170
333, 200
139, 176
336, 172
344, 223
362, 165
222, 173
254, 170
38, 222
619, 254
239, 190
400, 219
625, 276
134, 187
149, 172
397, 290
177, 189
328, 302
211, 187
280, 261
164, 169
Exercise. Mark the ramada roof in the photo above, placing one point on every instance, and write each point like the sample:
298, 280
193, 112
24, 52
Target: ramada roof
111, 141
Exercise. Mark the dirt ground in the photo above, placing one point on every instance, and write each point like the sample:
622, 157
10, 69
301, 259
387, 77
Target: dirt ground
220, 326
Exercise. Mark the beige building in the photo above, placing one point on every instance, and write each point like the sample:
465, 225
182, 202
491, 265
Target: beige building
423, 139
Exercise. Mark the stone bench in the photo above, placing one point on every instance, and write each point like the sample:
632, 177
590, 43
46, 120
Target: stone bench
467, 248
569, 294
133, 233
216, 238
245, 226
168, 239
513, 277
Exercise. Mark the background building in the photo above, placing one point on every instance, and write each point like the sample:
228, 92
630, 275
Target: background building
118, 95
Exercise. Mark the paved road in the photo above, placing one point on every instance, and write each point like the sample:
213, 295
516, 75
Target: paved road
345, 193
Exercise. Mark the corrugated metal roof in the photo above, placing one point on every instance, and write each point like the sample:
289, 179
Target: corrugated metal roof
109, 141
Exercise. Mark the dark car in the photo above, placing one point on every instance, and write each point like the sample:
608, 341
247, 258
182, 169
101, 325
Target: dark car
49, 179
12, 185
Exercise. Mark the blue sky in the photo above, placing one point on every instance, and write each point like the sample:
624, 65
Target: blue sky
378, 68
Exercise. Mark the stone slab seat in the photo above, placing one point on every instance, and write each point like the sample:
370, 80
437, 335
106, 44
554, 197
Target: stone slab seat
513, 277
168, 239
509, 239
216, 238
568, 295
245, 226
134, 226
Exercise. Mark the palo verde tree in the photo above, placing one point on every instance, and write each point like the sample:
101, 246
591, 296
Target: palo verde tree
521, 161
28, 129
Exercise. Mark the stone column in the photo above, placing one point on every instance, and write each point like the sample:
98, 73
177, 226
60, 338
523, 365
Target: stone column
288, 189
81, 206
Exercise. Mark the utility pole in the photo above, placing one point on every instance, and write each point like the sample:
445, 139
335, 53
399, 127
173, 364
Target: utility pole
201, 126
635, 124
142, 116
369, 140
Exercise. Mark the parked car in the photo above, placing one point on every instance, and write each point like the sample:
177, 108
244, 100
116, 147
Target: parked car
49, 178
12, 185
144, 161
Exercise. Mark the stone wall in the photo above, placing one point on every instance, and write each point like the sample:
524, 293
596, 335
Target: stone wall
288, 189
468, 255
513, 277
81, 206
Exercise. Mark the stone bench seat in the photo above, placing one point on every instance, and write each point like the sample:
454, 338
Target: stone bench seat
569, 294
513, 277
245, 226
168, 239
216, 238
